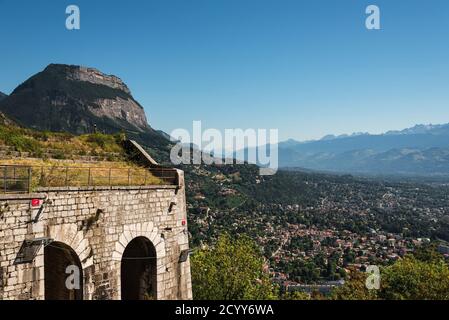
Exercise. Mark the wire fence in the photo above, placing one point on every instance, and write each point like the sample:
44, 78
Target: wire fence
23, 179
15, 179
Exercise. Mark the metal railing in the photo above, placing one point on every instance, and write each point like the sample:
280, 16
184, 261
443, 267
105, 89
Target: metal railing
15, 179
22, 179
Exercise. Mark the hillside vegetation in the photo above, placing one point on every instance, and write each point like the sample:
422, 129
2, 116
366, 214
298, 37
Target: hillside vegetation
61, 159
61, 145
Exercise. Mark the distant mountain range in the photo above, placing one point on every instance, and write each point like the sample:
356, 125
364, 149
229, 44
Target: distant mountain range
420, 150
2, 96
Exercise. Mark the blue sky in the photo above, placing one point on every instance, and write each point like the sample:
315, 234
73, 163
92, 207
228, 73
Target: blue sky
306, 67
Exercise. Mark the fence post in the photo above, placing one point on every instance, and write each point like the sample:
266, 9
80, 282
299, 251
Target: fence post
5, 173
66, 176
30, 176
110, 172
129, 176
88, 178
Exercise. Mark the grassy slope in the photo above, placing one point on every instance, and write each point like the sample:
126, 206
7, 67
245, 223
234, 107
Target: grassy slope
36, 142
59, 169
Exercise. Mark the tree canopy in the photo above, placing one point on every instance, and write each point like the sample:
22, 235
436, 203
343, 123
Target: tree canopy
232, 269
424, 276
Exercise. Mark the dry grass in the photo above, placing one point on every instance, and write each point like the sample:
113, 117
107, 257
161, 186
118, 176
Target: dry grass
53, 173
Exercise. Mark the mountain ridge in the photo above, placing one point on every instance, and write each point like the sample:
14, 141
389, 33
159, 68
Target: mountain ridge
416, 129
419, 150
74, 99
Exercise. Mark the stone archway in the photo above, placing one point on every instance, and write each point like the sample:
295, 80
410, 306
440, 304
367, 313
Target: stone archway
70, 237
150, 232
139, 271
60, 263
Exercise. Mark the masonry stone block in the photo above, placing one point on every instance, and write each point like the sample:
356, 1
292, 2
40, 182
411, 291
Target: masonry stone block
127, 214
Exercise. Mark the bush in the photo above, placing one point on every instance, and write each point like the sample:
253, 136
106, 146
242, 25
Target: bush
231, 270
16, 138
413, 279
421, 277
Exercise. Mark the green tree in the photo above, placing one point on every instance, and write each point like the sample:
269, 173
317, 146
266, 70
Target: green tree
424, 277
428, 253
413, 279
354, 288
231, 270
295, 295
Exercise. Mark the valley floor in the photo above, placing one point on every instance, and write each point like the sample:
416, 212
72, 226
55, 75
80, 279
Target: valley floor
316, 228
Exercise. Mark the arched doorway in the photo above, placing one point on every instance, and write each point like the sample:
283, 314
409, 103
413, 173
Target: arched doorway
63, 273
138, 270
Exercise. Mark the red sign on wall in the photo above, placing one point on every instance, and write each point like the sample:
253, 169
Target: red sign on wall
35, 202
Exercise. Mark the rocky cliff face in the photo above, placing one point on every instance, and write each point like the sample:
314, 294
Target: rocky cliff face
78, 73
75, 99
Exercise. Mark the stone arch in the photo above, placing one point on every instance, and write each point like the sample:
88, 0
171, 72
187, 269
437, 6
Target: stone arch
59, 259
131, 231
71, 236
139, 271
